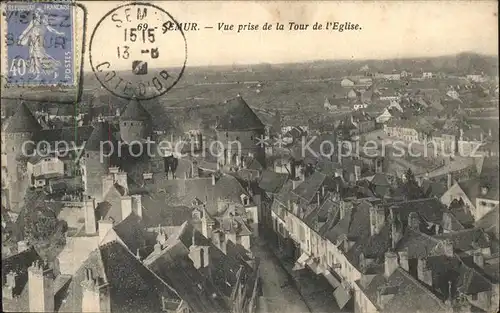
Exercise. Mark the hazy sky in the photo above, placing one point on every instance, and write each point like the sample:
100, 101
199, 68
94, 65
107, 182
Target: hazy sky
389, 29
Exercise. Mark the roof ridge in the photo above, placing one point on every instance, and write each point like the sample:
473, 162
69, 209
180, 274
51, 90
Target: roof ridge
422, 287
147, 268
472, 269
427, 236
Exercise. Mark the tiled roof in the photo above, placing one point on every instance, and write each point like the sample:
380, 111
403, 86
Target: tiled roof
238, 116
22, 121
418, 244
470, 188
18, 263
467, 239
159, 210
133, 287
132, 232
490, 222
472, 282
433, 189
308, 189
430, 209
71, 135
409, 295
206, 289
135, 112
272, 182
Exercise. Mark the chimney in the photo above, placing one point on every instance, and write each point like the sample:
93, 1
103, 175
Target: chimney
403, 260
357, 172
447, 222
318, 195
40, 288
137, 205
414, 221
104, 227
377, 219
10, 285
390, 264
478, 259
22, 246
396, 233
449, 180
121, 179
194, 170
199, 256
213, 180
107, 183
90, 223
94, 295
423, 272
206, 224
126, 204
323, 191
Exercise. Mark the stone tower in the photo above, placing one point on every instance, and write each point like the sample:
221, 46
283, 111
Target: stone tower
135, 123
96, 158
18, 130
239, 131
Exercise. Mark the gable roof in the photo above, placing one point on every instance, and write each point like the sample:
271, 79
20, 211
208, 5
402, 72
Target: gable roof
406, 294
22, 121
490, 222
174, 266
308, 189
133, 287
135, 112
238, 116
467, 239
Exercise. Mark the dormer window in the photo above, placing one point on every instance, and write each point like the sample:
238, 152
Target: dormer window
244, 199
484, 190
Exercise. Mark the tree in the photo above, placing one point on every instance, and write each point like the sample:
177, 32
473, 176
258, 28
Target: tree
411, 188
39, 225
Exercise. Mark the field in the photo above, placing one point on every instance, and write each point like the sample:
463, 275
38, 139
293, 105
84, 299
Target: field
298, 91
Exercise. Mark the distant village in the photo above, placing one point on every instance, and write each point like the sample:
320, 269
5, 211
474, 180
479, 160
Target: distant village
92, 230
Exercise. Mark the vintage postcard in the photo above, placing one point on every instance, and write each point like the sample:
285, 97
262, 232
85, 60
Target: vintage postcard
250, 156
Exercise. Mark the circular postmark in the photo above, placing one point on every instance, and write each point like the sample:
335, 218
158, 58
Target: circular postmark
135, 52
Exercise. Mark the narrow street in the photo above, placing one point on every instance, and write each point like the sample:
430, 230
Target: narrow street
279, 292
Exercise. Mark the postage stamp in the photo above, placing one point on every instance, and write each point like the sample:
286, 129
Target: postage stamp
146, 59
39, 39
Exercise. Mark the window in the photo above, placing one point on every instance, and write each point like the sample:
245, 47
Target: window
124, 124
474, 297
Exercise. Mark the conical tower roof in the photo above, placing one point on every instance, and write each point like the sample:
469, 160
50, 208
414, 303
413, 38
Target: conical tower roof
102, 132
239, 116
135, 112
23, 121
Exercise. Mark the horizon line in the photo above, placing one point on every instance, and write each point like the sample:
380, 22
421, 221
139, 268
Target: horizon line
333, 60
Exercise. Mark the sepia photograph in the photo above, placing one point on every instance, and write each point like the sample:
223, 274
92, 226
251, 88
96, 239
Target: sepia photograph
250, 156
